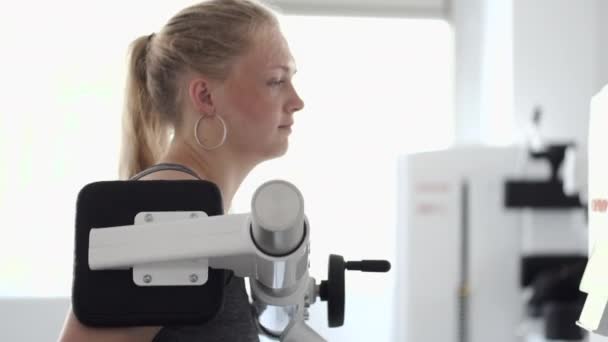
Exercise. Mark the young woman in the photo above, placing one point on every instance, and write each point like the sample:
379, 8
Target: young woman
209, 97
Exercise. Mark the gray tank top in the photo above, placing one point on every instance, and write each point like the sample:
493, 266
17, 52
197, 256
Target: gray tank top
234, 323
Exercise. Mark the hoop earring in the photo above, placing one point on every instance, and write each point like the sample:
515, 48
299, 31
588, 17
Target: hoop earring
225, 131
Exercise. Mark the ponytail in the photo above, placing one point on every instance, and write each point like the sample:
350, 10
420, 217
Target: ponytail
144, 134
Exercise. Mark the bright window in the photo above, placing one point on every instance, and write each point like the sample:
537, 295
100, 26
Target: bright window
374, 89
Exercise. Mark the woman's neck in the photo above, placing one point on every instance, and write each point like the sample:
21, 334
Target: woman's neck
217, 166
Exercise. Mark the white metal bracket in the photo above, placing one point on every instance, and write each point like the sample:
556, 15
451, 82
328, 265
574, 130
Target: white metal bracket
170, 273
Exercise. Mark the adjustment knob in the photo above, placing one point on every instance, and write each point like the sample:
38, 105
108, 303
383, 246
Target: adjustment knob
332, 290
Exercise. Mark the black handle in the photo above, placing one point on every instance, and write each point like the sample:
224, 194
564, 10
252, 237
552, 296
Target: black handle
333, 290
369, 266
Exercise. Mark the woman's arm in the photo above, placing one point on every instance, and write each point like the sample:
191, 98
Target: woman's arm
74, 331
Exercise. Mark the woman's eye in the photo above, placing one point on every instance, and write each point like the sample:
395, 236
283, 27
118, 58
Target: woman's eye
275, 82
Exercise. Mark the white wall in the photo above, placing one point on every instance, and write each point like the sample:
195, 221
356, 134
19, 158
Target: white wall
496, 97
556, 63
483, 50
513, 55
401, 8
602, 38
467, 22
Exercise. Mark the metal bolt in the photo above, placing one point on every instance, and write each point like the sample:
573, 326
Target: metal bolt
193, 278
193, 215
147, 279
148, 218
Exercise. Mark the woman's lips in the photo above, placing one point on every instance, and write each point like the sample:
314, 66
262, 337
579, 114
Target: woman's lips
285, 128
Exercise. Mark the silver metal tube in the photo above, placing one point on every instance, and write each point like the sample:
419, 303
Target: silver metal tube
277, 214
274, 319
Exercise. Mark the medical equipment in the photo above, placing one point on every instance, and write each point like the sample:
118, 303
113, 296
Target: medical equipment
154, 253
481, 231
594, 317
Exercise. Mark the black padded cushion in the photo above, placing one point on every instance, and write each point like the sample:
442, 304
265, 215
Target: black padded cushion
110, 297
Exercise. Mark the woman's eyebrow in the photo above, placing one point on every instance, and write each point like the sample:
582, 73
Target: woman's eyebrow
288, 69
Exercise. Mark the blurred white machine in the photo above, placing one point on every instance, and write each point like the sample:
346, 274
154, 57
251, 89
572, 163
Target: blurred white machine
595, 280
484, 235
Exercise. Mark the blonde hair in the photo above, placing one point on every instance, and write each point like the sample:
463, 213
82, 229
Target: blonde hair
204, 38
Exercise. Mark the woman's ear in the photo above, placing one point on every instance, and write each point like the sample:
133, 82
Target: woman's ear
200, 95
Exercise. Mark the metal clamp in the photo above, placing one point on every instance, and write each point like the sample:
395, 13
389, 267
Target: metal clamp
171, 273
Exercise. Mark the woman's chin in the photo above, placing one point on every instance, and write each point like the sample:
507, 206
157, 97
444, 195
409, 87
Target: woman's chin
279, 150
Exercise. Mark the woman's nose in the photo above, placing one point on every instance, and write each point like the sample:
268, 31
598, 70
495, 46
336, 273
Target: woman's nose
297, 103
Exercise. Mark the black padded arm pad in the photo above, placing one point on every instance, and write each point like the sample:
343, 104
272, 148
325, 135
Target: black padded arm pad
110, 297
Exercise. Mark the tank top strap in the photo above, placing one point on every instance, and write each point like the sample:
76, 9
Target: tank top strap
165, 167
